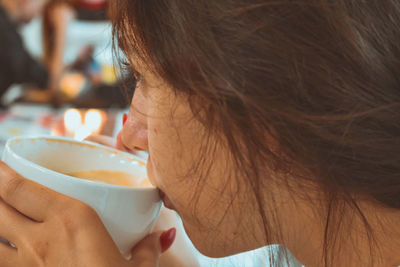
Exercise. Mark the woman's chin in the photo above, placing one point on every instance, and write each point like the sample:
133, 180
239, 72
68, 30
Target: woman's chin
208, 250
204, 244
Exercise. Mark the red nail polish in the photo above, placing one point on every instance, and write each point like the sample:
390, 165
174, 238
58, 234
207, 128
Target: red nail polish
124, 118
167, 238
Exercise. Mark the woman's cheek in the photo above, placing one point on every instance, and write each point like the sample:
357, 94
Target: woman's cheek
156, 170
150, 172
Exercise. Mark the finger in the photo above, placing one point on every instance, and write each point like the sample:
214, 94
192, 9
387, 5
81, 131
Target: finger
102, 139
147, 252
114, 143
13, 225
29, 198
8, 256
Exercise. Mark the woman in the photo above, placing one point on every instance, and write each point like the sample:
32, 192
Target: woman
266, 122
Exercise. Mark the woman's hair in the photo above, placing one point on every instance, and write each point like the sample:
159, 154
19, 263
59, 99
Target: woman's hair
319, 77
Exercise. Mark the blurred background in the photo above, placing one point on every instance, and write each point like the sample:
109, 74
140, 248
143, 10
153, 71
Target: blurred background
58, 74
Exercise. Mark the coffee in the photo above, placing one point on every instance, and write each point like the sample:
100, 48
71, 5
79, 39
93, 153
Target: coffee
110, 177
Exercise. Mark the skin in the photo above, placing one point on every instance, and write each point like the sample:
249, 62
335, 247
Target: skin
162, 124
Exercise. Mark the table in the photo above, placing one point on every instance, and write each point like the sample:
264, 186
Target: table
34, 119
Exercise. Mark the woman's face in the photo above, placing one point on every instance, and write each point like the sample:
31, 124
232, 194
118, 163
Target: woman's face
192, 171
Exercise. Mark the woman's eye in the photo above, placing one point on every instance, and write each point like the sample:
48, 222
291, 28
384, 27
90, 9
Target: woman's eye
138, 78
129, 68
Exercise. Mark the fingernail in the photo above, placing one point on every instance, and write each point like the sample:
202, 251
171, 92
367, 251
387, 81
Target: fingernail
124, 118
167, 238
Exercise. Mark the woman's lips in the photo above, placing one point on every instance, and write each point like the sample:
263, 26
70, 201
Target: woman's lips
161, 194
165, 199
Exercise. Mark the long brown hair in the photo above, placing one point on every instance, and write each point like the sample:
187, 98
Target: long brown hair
321, 77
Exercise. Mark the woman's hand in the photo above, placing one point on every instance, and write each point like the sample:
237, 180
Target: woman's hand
51, 229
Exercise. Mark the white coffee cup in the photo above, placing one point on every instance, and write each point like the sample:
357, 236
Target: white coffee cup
128, 213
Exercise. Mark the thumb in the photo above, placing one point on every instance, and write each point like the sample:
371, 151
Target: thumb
102, 140
147, 252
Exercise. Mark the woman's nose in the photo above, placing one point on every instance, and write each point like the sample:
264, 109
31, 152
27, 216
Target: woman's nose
134, 134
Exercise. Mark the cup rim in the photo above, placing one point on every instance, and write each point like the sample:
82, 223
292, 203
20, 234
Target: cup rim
89, 144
